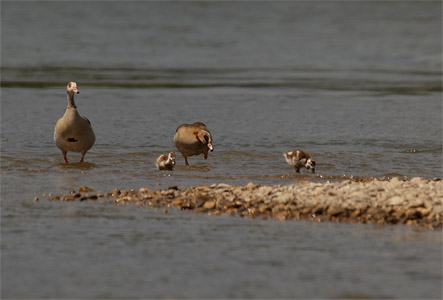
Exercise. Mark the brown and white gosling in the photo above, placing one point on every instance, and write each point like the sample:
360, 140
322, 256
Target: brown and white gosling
193, 139
166, 161
73, 132
299, 159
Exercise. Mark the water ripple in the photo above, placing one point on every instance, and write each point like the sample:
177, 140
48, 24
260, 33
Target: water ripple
375, 80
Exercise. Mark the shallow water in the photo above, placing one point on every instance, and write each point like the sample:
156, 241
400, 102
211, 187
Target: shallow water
90, 250
356, 85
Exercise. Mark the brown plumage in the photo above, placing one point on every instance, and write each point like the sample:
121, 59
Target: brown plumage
166, 161
299, 159
73, 133
193, 139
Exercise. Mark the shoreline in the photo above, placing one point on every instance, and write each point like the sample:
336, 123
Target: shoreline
416, 201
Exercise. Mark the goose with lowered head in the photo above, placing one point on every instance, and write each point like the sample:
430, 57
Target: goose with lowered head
193, 139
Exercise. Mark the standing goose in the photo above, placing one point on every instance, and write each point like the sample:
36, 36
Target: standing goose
193, 139
73, 132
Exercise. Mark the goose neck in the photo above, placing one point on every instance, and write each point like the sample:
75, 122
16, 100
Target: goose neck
71, 103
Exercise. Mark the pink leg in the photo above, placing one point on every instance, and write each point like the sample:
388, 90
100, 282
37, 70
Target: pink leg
83, 157
186, 161
65, 158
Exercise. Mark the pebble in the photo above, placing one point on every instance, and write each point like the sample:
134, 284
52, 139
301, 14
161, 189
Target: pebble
336, 210
83, 189
395, 182
252, 186
396, 200
416, 180
415, 202
143, 190
223, 186
209, 204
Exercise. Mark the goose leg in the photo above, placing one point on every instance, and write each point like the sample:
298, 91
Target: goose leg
83, 157
64, 156
186, 161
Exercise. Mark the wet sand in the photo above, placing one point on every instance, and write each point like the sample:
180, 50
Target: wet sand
415, 201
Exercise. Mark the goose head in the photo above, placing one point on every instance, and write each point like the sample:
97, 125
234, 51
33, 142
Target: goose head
72, 88
171, 158
205, 138
310, 165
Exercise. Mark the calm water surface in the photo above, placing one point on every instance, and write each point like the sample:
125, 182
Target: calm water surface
359, 86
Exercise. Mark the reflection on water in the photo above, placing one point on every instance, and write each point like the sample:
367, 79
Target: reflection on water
78, 165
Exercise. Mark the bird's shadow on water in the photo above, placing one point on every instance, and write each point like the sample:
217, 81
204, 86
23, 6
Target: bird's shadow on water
298, 176
76, 165
192, 168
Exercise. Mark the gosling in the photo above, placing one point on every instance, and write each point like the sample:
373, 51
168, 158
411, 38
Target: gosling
299, 159
166, 161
